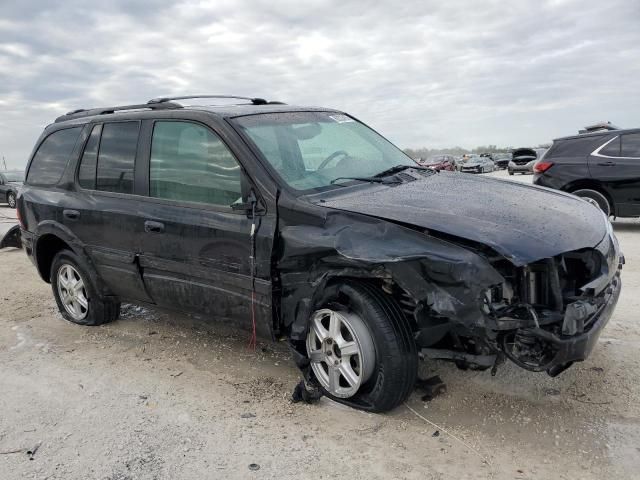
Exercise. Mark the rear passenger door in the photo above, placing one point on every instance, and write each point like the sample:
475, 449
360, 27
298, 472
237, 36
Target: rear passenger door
102, 210
196, 249
617, 165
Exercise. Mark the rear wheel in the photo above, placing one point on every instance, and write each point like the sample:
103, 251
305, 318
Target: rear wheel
77, 298
596, 198
11, 199
361, 349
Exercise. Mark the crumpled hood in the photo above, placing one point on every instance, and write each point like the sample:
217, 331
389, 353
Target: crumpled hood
524, 223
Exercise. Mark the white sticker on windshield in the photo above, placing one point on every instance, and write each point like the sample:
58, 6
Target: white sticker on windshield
341, 118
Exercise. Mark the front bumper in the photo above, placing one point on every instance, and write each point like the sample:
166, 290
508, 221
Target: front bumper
576, 348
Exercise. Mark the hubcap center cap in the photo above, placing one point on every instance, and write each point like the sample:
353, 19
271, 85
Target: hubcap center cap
331, 348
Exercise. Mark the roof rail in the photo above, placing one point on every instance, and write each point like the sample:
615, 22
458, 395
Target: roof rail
598, 127
80, 113
254, 101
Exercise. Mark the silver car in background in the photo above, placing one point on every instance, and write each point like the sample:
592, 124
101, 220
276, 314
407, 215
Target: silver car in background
477, 164
522, 161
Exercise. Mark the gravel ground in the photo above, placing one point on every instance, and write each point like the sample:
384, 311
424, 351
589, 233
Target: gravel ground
162, 396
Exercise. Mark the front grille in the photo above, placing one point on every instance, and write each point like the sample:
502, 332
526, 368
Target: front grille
552, 283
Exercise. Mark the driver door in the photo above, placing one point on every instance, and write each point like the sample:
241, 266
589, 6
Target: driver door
196, 248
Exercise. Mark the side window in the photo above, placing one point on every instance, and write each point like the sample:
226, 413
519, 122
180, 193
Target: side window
51, 159
575, 147
612, 149
117, 156
89, 162
190, 163
630, 145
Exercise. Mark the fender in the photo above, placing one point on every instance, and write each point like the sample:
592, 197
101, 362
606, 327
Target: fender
61, 232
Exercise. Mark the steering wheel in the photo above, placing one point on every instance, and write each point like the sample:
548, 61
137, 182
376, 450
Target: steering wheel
335, 154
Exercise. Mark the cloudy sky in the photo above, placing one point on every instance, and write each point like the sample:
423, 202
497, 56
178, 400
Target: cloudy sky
424, 73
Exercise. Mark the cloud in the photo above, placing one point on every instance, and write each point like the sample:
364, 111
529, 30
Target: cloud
424, 73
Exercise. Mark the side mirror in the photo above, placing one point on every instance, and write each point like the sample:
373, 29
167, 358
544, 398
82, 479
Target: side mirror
250, 202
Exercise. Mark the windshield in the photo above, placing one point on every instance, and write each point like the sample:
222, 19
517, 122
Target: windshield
14, 176
311, 149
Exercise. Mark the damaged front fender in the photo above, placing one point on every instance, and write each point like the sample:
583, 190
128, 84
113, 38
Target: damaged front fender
447, 279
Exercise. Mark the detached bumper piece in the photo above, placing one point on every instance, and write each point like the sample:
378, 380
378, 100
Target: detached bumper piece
11, 237
539, 349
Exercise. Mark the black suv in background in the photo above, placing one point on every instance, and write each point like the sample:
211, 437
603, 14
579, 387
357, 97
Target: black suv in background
603, 167
304, 224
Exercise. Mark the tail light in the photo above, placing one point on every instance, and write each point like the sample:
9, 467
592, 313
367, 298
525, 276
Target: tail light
542, 167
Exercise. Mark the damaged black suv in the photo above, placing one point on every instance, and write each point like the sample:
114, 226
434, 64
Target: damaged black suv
305, 224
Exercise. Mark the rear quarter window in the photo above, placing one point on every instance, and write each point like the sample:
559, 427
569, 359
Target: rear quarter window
575, 147
52, 157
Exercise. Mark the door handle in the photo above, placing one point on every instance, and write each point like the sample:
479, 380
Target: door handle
153, 227
607, 164
71, 214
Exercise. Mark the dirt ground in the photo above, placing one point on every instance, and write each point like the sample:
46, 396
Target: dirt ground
161, 396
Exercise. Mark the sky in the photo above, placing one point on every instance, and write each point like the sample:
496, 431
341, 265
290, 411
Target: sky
423, 73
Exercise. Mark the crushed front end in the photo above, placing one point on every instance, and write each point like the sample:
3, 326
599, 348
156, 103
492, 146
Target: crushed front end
543, 316
549, 314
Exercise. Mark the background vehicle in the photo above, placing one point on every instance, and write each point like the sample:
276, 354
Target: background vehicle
477, 164
602, 166
10, 181
440, 162
501, 160
522, 161
303, 224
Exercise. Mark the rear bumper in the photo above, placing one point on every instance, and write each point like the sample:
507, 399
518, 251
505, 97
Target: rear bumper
520, 168
28, 239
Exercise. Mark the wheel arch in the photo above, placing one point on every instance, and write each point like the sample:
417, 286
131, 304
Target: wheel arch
51, 238
591, 184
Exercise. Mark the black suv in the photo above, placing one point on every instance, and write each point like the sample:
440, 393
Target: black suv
603, 167
305, 224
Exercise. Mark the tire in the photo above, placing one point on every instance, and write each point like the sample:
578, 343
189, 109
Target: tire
595, 197
85, 306
11, 199
394, 368
511, 172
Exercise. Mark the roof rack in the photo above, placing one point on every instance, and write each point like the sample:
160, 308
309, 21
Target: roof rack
106, 110
254, 101
598, 127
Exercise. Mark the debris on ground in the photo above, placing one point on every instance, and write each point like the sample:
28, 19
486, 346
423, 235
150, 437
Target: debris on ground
305, 392
33, 451
432, 387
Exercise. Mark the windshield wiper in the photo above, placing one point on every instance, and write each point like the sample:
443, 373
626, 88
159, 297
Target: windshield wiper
396, 169
375, 179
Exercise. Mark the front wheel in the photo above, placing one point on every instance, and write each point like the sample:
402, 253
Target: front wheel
11, 199
596, 198
510, 172
361, 348
77, 298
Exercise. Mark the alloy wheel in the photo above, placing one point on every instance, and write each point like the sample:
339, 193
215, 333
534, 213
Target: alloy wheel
341, 351
73, 292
